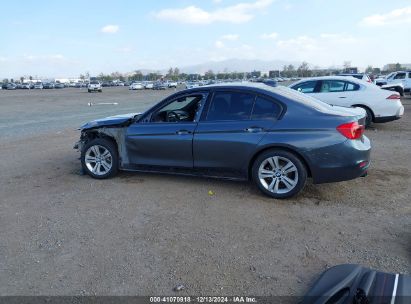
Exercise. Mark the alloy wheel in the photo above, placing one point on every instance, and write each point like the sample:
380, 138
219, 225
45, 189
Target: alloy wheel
278, 174
98, 160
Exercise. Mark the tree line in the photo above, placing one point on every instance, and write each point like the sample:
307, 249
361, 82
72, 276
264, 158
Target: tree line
289, 71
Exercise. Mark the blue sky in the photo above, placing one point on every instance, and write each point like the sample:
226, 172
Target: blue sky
66, 38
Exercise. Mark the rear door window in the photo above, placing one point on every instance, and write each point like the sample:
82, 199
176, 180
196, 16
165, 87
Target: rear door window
265, 108
231, 106
306, 87
331, 86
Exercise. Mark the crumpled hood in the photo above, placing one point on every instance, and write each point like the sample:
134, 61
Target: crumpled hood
109, 121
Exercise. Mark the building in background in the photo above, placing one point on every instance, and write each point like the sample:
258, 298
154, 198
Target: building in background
397, 66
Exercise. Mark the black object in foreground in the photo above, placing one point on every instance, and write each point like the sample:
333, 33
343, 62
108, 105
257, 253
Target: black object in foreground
355, 284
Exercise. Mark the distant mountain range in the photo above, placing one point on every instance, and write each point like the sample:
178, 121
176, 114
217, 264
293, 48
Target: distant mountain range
230, 65
237, 65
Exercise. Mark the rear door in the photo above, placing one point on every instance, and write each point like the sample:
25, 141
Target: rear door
339, 92
407, 84
227, 134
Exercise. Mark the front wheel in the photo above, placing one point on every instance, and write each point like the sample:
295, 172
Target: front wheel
99, 158
279, 174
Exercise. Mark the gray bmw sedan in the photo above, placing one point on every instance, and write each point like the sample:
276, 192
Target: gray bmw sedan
275, 136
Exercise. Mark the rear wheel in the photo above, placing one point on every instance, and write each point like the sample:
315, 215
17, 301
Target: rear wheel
279, 174
99, 158
368, 117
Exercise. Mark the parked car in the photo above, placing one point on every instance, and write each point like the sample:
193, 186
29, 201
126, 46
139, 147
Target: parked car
396, 87
172, 84
94, 86
48, 85
273, 135
400, 77
159, 86
270, 82
25, 86
136, 86
380, 105
59, 85
149, 85
191, 85
38, 86
11, 86
360, 76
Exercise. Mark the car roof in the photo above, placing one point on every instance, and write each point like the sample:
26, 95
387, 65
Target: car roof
352, 79
257, 87
349, 74
240, 85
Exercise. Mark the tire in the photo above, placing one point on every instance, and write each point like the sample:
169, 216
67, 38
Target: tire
282, 184
89, 91
100, 91
368, 118
106, 159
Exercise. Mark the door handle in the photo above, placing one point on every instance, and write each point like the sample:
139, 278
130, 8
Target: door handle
342, 97
254, 129
183, 132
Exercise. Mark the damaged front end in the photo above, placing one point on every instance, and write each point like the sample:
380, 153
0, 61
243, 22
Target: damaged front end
112, 128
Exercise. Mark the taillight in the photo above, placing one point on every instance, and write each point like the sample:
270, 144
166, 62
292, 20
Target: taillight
351, 130
394, 97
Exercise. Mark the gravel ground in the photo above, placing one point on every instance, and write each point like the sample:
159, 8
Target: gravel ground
62, 233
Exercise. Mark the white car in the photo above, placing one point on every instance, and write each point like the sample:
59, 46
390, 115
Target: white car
172, 84
191, 85
360, 76
94, 86
38, 85
380, 105
149, 85
136, 86
401, 77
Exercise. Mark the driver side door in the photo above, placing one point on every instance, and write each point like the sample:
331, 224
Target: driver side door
162, 139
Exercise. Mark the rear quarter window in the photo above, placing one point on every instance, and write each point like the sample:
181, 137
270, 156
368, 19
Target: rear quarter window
265, 108
349, 86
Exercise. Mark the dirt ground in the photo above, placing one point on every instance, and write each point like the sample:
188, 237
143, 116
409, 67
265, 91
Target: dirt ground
62, 233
